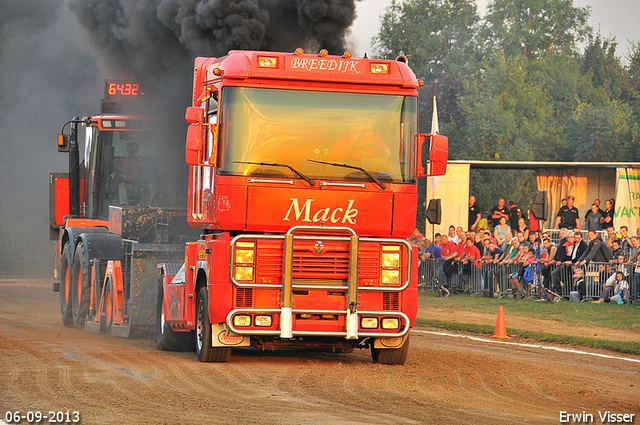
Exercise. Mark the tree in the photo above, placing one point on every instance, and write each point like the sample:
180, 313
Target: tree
438, 37
532, 28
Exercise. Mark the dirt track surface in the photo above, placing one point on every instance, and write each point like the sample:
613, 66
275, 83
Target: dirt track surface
45, 366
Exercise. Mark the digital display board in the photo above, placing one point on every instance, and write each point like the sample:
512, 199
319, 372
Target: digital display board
122, 89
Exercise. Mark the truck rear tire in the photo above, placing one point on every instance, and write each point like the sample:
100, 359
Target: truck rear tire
204, 350
392, 355
82, 286
66, 286
166, 338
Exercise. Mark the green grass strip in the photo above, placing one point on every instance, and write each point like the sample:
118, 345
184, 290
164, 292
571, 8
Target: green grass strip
629, 347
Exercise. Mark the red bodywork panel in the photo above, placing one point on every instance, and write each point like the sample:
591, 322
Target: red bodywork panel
263, 209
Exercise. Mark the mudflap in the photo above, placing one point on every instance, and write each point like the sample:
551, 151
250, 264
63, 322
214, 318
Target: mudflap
141, 269
394, 342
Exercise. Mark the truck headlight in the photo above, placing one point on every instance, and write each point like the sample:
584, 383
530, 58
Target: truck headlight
390, 260
242, 320
369, 323
244, 273
390, 277
244, 256
264, 321
390, 323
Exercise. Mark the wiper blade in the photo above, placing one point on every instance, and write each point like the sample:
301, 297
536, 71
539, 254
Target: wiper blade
276, 164
368, 174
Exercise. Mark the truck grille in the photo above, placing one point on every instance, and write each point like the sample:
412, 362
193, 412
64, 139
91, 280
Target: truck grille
330, 265
244, 297
391, 301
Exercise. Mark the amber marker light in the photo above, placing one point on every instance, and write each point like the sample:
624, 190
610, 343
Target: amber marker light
299, 51
217, 72
267, 62
379, 68
420, 83
324, 52
348, 54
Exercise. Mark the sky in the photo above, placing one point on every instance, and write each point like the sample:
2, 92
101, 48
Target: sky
617, 18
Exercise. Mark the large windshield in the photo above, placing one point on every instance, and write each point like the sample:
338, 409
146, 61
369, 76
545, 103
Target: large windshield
124, 168
292, 127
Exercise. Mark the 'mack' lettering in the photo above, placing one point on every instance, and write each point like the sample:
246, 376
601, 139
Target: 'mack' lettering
321, 215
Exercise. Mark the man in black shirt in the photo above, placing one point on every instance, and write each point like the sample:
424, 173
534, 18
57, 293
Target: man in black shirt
498, 211
474, 214
515, 214
568, 216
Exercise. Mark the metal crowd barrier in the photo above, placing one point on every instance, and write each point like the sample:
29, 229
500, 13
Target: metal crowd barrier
554, 235
494, 278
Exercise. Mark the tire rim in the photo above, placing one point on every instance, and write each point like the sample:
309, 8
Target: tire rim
200, 326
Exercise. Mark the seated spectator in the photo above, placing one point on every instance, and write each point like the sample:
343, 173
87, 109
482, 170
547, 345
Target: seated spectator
500, 231
592, 220
520, 236
616, 294
515, 278
530, 269
417, 234
579, 289
618, 264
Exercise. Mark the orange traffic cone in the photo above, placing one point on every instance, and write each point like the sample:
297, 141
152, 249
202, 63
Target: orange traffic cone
501, 329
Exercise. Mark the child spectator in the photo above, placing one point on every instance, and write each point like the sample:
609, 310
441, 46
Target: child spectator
617, 294
579, 289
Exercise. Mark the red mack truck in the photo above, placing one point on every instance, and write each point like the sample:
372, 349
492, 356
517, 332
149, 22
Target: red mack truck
303, 183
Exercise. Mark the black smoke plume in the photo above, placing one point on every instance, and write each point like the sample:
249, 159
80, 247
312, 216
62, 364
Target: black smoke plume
55, 55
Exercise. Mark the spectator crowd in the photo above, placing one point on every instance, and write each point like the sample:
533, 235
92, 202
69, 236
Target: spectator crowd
531, 262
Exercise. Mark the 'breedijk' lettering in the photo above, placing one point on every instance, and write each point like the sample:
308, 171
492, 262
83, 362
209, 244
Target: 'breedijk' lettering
343, 66
323, 215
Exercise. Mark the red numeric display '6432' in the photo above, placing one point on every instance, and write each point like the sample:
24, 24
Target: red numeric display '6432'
116, 88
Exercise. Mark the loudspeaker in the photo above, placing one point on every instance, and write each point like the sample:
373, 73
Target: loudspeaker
434, 212
540, 206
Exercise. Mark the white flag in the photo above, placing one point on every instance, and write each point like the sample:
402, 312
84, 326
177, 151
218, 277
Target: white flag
434, 119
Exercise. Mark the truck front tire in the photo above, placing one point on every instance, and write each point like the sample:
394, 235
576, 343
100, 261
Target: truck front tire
204, 350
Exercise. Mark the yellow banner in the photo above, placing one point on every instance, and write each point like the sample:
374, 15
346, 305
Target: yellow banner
627, 208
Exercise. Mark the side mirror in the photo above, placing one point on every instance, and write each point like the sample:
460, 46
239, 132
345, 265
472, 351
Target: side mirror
63, 143
194, 115
194, 144
438, 155
435, 148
